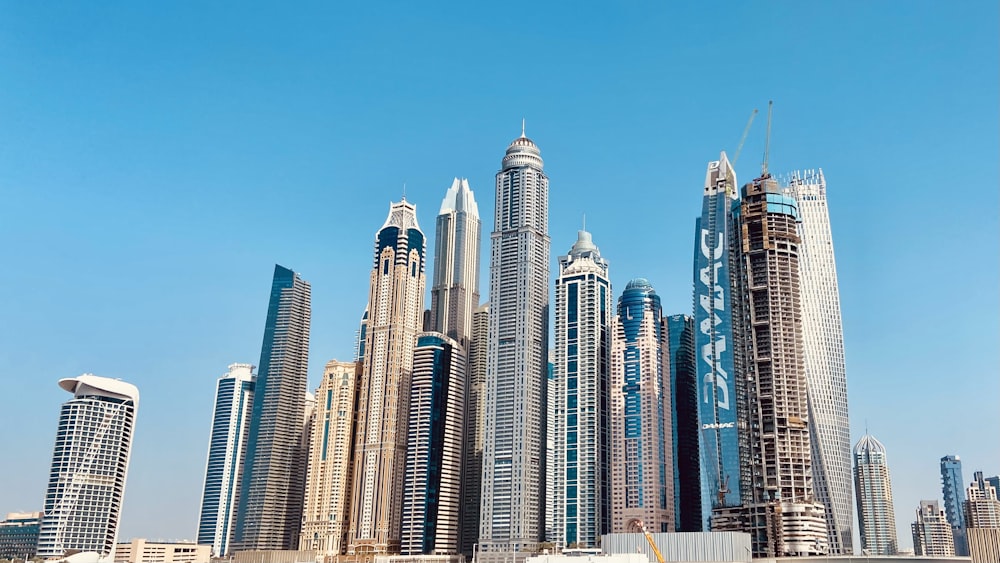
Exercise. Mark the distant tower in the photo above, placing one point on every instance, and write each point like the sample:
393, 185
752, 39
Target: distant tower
641, 465
684, 423
953, 491
455, 291
780, 510
876, 514
823, 353
982, 509
720, 400
328, 486
83, 499
475, 430
395, 306
431, 489
578, 398
932, 535
226, 457
270, 507
513, 499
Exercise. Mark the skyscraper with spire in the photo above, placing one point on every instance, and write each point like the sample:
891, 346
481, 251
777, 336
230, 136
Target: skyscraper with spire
455, 289
578, 398
270, 508
823, 354
720, 399
876, 513
395, 311
513, 499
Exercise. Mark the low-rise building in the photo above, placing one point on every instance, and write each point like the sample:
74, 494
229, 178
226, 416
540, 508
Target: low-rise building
143, 551
19, 535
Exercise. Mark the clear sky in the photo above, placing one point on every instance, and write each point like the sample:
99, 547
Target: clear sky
157, 160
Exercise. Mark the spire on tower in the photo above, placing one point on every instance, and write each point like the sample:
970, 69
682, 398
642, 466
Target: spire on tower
522, 127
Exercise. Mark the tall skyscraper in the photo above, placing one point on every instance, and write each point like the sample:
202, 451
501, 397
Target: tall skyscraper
953, 491
395, 307
684, 423
720, 401
823, 354
513, 499
432, 484
328, 482
227, 447
475, 429
83, 499
876, 513
455, 291
578, 398
779, 508
270, 506
932, 535
641, 459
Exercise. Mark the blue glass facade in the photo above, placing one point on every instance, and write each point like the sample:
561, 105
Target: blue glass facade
684, 415
714, 344
953, 492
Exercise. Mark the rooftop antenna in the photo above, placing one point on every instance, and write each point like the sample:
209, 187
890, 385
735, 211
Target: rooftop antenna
584, 221
522, 127
404, 191
767, 141
743, 139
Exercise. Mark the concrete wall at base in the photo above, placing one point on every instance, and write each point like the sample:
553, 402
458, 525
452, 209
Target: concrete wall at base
694, 547
274, 556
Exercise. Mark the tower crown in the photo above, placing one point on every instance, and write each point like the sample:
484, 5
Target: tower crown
869, 445
522, 151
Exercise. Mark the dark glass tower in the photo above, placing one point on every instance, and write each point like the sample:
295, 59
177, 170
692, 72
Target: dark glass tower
719, 398
270, 508
684, 415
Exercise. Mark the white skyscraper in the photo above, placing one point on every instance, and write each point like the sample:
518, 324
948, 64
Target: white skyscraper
455, 289
823, 355
226, 455
876, 514
83, 500
513, 499
578, 399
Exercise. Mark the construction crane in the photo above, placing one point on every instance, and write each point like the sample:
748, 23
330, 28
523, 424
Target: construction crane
767, 142
649, 540
743, 139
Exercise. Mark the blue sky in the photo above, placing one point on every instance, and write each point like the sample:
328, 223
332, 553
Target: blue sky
156, 161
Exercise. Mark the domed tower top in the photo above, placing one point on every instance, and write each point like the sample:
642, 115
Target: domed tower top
522, 152
868, 446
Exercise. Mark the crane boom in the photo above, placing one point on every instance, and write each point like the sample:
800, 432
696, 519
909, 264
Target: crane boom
652, 544
743, 139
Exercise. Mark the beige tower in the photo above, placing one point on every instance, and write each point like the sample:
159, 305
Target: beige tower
328, 491
395, 311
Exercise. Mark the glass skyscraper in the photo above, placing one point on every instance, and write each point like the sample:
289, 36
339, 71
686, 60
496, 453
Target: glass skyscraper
83, 500
578, 399
823, 354
719, 397
953, 492
513, 499
641, 466
431, 489
395, 316
226, 456
876, 513
475, 430
684, 423
270, 507
455, 289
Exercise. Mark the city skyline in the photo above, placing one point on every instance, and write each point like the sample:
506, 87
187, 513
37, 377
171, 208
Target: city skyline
210, 224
